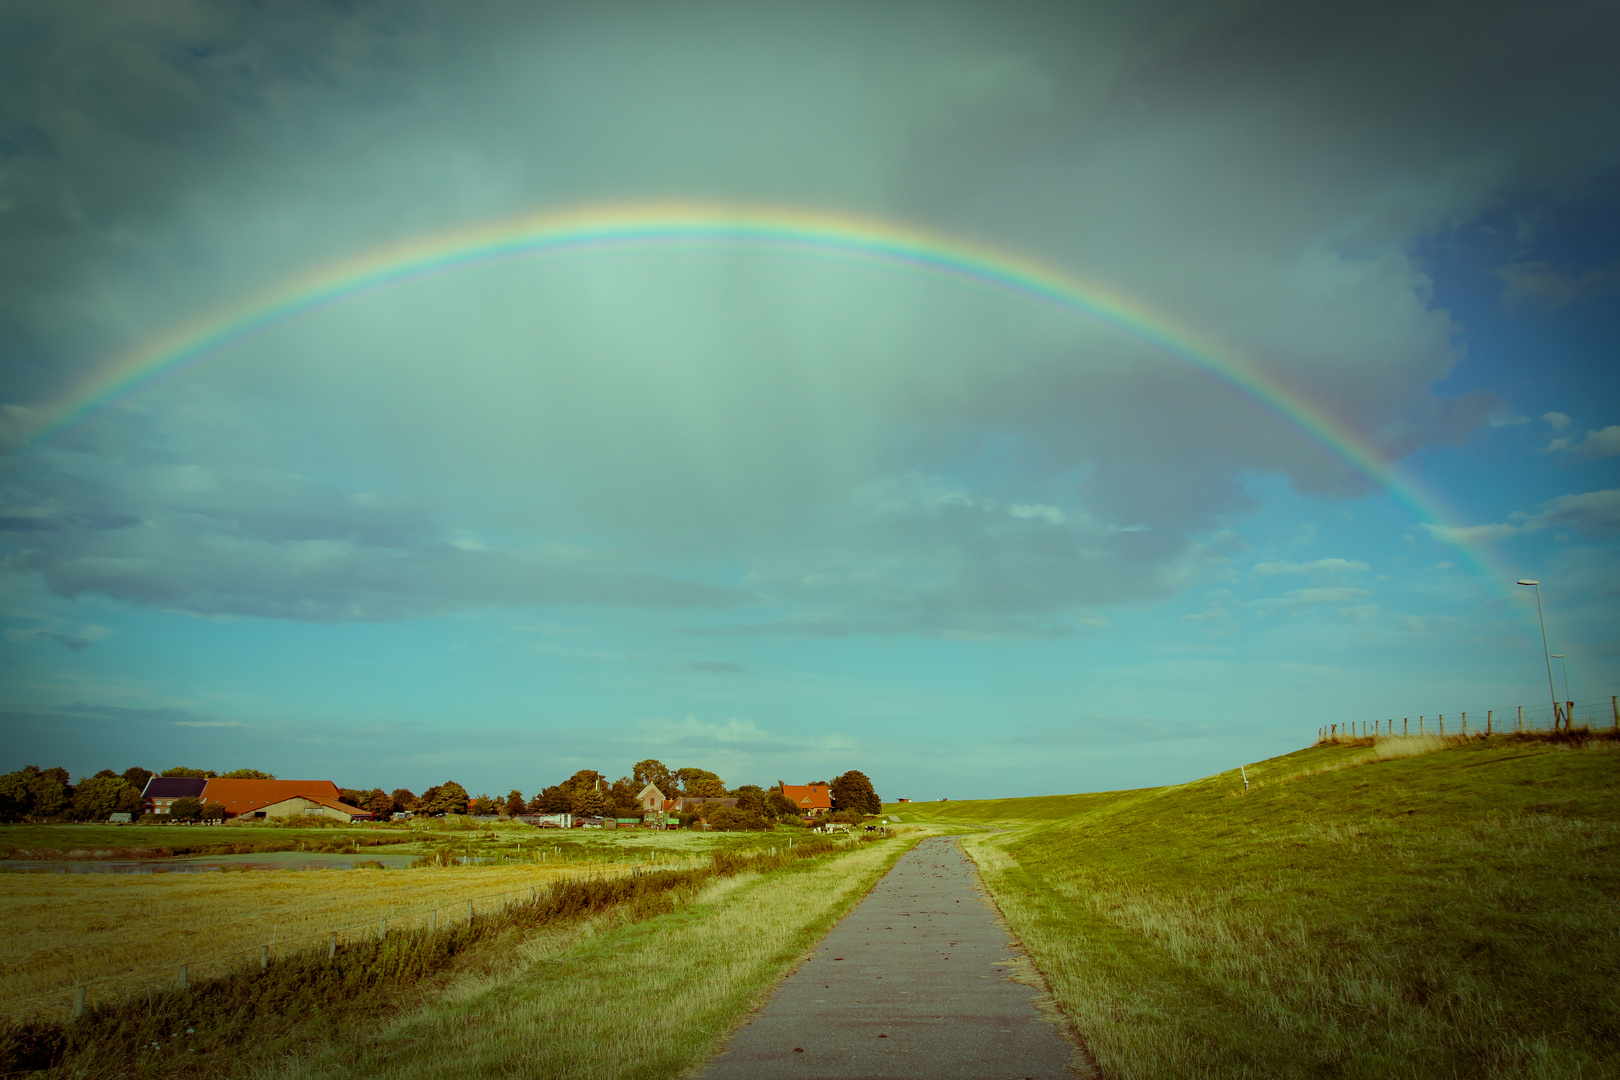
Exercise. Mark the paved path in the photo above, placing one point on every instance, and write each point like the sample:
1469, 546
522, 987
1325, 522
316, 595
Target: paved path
915, 982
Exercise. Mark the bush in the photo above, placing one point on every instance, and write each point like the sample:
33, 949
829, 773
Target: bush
736, 819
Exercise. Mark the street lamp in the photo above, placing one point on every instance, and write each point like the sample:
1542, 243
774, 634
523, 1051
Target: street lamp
1552, 692
1564, 663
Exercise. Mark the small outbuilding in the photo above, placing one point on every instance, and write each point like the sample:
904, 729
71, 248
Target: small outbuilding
315, 806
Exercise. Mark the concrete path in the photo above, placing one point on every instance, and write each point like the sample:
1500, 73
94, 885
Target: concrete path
915, 982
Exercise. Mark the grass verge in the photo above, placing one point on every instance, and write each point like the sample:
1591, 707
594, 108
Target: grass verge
1450, 912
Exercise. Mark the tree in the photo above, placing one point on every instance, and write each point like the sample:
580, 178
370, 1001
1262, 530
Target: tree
212, 811
381, 805
42, 793
779, 805
514, 803
699, 783
449, 798
484, 806
537, 805
129, 802
95, 798
247, 774
750, 797
653, 771
403, 799
196, 774
138, 777
853, 791
621, 798
186, 808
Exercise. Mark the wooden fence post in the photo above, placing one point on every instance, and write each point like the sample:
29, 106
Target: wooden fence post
1465, 725
383, 932
1420, 725
433, 920
331, 949
1440, 718
469, 910
1490, 715
1614, 703
182, 976
1519, 727
264, 958
78, 1001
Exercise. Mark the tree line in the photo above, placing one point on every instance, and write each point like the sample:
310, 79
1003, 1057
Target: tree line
35, 794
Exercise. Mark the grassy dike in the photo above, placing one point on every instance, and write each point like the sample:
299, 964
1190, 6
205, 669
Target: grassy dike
1413, 908
616, 976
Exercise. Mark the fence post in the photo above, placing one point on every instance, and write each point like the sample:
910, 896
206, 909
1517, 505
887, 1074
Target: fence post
78, 1001
433, 920
264, 958
1490, 714
1614, 703
384, 931
331, 949
469, 910
1441, 719
1420, 725
1519, 728
1465, 725
182, 976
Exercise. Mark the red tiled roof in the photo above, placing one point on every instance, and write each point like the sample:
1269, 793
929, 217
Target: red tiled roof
246, 796
808, 796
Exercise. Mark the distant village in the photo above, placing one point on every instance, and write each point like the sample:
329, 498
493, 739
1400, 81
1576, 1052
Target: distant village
652, 796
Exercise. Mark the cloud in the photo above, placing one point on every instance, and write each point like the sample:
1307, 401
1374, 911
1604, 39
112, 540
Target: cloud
1599, 444
1596, 513
852, 447
72, 644
1558, 420
1546, 285
1318, 566
692, 732
1302, 599
208, 723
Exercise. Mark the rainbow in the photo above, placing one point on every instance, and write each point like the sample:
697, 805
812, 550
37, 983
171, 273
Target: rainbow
808, 231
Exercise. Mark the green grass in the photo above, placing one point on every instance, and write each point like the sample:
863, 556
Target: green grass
1355, 914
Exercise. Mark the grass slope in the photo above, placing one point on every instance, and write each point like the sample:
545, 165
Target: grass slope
1405, 908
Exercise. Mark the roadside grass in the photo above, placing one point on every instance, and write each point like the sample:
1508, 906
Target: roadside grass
615, 997
1362, 911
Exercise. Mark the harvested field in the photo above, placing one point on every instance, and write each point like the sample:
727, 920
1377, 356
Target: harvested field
121, 933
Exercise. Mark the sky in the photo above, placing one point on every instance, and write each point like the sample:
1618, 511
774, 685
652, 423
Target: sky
779, 510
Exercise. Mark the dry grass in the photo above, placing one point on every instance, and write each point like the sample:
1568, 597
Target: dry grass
611, 998
122, 932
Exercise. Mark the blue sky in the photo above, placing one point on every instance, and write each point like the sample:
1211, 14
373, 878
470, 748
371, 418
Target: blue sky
780, 517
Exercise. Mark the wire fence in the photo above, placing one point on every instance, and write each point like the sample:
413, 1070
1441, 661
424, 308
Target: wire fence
1592, 714
181, 970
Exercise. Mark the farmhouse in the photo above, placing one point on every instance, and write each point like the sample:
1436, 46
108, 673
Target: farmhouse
161, 791
250, 798
813, 800
313, 806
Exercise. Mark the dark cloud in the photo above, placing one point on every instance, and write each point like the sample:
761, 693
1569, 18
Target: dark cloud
871, 452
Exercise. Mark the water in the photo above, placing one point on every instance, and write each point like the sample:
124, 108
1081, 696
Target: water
195, 864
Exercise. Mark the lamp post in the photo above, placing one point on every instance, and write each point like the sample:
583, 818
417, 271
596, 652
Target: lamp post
1563, 662
1552, 692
